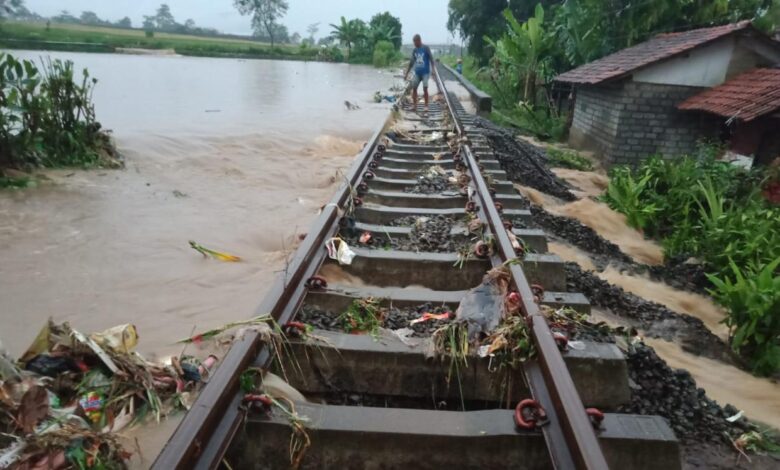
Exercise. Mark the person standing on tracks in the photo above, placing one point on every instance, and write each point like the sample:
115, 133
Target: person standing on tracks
422, 61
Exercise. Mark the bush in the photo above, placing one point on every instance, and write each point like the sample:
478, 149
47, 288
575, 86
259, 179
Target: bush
715, 211
753, 301
332, 54
384, 54
540, 121
149, 33
47, 118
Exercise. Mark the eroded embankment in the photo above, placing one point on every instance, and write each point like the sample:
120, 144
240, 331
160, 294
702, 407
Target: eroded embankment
626, 276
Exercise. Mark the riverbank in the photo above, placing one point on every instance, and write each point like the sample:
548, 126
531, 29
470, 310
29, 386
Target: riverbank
82, 38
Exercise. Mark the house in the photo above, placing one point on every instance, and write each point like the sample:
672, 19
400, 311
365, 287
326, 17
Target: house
626, 104
749, 107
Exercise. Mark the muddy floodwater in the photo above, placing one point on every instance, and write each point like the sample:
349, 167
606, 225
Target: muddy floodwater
236, 155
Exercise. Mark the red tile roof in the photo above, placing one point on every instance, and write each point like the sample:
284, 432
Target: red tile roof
746, 97
661, 47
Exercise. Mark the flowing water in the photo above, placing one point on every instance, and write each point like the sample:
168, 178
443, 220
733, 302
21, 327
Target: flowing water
696, 305
236, 155
758, 397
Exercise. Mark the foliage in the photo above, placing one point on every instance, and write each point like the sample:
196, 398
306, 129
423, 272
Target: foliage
753, 301
265, 14
588, 29
47, 117
702, 207
10, 182
475, 20
349, 33
541, 121
624, 195
585, 30
386, 27
568, 159
9, 7
279, 34
520, 52
28, 35
312, 30
512, 75
384, 54
363, 316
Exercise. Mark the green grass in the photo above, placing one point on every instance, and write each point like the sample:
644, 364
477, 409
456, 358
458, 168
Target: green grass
103, 39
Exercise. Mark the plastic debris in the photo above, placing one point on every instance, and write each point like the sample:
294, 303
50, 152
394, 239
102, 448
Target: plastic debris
207, 253
482, 307
122, 338
431, 316
71, 392
341, 253
736, 417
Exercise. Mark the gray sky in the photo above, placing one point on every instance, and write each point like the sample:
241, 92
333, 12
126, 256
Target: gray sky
428, 17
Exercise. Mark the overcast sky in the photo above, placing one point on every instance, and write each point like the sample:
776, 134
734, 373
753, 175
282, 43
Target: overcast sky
428, 17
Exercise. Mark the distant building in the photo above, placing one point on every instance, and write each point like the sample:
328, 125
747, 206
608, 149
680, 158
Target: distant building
640, 101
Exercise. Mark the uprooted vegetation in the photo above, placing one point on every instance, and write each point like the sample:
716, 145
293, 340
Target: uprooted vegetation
64, 401
47, 118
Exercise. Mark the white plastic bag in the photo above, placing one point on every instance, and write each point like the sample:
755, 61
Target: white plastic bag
341, 253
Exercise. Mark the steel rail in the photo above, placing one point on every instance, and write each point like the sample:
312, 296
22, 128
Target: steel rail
570, 437
203, 436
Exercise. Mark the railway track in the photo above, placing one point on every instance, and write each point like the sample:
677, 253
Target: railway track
380, 401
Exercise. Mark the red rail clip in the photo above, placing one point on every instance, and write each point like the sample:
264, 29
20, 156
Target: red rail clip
529, 414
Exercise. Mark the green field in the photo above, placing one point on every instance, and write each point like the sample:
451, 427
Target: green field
102, 39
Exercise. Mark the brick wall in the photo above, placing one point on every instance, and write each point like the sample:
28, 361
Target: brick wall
596, 118
631, 121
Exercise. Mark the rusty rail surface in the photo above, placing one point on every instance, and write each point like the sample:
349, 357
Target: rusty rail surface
571, 440
205, 433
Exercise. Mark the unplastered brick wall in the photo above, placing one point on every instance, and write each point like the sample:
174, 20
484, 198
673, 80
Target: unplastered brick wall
596, 118
630, 121
651, 124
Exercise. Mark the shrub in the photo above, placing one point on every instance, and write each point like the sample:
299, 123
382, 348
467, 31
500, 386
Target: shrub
753, 301
624, 194
541, 121
149, 33
712, 210
47, 118
384, 54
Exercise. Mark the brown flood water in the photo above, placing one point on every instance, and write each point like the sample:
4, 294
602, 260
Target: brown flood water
758, 397
236, 155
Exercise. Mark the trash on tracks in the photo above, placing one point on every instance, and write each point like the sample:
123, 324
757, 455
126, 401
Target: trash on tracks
64, 401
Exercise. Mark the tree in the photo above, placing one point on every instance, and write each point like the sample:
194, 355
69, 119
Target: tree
279, 32
65, 17
149, 24
521, 49
391, 27
125, 22
589, 29
265, 14
327, 41
476, 19
9, 7
349, 33
295, 38
164, 18
91, 18
383, 33
313, 29
189, 25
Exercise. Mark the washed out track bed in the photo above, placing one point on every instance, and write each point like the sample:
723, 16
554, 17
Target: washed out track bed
434, 346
